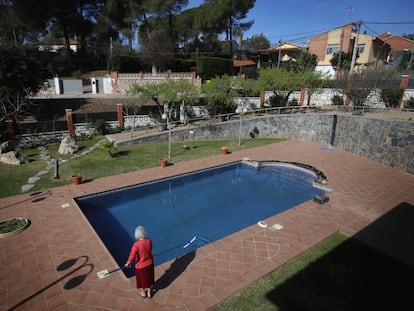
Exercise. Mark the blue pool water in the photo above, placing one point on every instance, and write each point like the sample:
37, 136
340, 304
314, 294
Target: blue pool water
207, 205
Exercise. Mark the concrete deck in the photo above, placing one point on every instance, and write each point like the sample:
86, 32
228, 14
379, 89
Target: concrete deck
52, 264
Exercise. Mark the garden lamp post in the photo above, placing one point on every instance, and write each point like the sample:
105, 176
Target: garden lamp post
167, 116
241, 110
280, 54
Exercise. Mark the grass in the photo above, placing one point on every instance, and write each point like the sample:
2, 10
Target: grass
338, 274
99, 163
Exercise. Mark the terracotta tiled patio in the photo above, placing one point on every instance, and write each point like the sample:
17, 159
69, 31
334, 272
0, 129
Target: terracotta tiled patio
52, 265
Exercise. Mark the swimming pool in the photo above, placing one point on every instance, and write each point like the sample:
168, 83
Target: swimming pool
199, 207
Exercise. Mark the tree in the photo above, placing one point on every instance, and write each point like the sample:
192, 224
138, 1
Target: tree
358, 86
165, 10
29, 19
224, 15
341, 61
221, 91
238, 31
20, 77
257, 42
124, 16
409, 36
171, 93
157, 49
10, 25
306, 62
313, 81
281, 82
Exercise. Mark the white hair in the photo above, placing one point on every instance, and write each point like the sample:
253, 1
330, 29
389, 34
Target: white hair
140, 232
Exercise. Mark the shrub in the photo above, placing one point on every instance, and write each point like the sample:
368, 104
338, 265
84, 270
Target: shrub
210, 67
359, 96
109, 147
391, 95
337, 100
100, 126
293, 102
277, 100
409, 103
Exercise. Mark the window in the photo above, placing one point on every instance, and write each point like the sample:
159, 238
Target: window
360, 49
332, 48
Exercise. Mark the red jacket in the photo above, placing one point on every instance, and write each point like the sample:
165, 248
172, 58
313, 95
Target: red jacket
141, 252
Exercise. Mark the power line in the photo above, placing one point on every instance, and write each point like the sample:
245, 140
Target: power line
390, 23
327, 29
370, 29
300, 33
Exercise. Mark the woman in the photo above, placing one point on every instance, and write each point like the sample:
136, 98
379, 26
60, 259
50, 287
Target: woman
141, 252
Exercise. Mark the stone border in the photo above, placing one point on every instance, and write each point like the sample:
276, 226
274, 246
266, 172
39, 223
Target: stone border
17, 231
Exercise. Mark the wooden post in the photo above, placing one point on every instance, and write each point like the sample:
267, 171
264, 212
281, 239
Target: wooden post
262, 98
403, 86
69, 121
10, 132
302, 96
120, 111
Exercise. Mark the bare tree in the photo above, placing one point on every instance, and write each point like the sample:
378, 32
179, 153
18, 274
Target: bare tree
359, 86
14, 105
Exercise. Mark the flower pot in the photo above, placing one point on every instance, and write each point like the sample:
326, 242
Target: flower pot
163, 162
223, 151
77, 179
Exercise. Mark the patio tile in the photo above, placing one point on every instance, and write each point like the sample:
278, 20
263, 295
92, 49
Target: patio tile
52, 265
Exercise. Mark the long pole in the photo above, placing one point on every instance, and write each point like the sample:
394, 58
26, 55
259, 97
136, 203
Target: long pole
354, 52
169, 132
280, 54
240, 126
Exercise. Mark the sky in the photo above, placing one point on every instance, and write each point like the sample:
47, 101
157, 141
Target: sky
296, 21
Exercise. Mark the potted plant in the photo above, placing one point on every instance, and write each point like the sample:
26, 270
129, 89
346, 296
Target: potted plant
224, 150
76, 178
163, 162
13, 226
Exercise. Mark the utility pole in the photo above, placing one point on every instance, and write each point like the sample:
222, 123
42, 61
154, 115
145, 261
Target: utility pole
110, 46
280, 53
354, 52
341, 41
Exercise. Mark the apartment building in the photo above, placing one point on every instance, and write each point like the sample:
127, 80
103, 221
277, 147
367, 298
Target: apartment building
402, 49
371, 51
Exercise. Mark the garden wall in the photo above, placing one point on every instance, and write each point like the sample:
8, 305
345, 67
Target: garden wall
388, 142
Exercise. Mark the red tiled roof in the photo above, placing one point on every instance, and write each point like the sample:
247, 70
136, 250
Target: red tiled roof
397, 42
243, 63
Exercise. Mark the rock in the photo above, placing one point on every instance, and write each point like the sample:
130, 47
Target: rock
13, 158
68, 145
42, 172
32, 180
26, 188
7, 146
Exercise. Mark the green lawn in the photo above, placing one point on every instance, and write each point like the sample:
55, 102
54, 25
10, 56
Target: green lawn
337, 274
99, 163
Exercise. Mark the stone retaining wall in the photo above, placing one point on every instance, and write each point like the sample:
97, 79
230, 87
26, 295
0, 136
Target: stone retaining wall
388, 142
